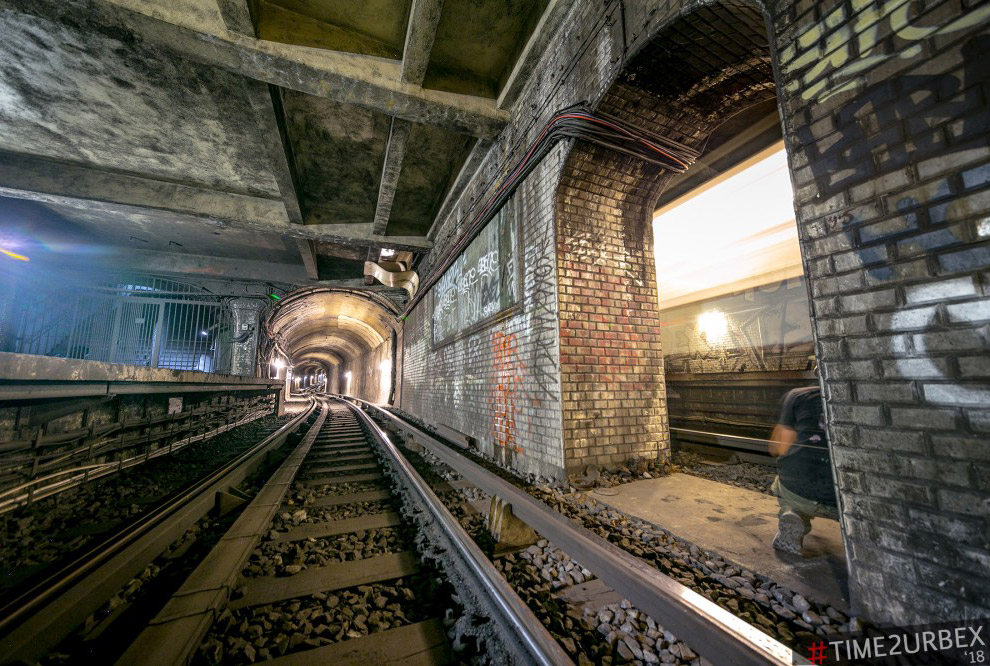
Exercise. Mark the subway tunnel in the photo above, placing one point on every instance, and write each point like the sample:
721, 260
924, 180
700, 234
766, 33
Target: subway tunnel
653, 332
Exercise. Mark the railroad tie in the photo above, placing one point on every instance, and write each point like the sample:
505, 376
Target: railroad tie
372, 521
270, 589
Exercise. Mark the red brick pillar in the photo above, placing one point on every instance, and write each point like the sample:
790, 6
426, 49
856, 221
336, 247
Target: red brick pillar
611, 367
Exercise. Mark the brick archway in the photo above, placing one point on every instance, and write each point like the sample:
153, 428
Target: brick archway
695, 72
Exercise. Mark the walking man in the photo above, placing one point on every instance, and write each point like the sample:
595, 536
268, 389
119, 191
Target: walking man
804, 486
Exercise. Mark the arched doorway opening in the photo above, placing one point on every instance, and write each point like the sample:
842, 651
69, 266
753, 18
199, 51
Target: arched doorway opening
706, 69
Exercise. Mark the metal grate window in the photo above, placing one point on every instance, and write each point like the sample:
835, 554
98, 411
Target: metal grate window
146, 321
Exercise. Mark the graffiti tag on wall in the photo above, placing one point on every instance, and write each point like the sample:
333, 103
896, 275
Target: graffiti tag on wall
859, 45
869, 144
505, 380
480, 283
767, 328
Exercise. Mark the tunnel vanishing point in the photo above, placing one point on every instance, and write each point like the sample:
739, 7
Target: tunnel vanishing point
454, 209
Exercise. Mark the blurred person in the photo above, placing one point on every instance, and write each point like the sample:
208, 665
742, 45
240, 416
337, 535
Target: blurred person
804, 485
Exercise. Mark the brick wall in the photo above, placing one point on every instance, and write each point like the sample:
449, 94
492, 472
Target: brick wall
886, 118
611, 370
885, 109
500, 384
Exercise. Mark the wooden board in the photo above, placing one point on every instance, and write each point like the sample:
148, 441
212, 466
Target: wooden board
337, 469
269, 589
594, 594
336, 500
419, 644
342, 457
341, 448
372, 521
331, 480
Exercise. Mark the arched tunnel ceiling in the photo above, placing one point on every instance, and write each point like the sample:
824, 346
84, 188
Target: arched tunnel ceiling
330, 327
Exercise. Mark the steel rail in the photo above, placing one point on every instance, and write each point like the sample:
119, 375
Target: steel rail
521, 632
37, 619
753, 444
176, 632
25, 390
34, 492
713, 632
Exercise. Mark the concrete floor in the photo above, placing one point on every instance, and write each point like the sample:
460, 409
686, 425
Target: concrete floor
739, 524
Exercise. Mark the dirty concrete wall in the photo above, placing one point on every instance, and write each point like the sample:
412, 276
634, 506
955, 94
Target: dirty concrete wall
371, 374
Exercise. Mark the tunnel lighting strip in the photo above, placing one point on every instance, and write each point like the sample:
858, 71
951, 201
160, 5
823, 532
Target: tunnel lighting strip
574, 122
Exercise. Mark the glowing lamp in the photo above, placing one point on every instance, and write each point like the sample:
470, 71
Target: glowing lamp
713, 325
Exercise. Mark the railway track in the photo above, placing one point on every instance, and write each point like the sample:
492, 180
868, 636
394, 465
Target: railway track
712, 631
323, 566
42, 610
744, 449
347, 554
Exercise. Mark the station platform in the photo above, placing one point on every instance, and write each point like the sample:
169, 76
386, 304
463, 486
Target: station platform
740, 525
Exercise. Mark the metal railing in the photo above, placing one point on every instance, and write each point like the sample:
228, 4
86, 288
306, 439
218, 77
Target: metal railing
144, 321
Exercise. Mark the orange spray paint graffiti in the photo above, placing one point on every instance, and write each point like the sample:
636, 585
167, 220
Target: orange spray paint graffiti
505, 367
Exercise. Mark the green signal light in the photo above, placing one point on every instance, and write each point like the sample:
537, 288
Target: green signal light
274, 297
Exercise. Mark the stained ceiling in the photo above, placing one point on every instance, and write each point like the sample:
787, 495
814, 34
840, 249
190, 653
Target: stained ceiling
284, 141
302, 135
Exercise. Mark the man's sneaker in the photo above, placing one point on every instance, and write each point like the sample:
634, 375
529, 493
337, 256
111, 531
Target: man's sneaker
791, 529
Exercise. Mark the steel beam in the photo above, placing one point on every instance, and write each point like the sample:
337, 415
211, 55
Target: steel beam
308, 253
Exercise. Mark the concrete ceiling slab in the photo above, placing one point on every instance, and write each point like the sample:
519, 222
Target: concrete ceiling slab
477, 43
339, 150
370, 27
82, 93
170, 128
433, 159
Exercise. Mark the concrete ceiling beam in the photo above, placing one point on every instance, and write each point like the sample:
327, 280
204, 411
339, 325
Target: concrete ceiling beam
195, 29
307, 251
541, 37
266, 103
236, 15
47, 181
41, 179
424, 17
180, 264
395, 152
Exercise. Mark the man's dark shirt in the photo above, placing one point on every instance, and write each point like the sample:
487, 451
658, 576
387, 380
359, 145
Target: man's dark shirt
805, 469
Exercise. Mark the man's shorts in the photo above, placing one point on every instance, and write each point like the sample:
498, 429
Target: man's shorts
802, 505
